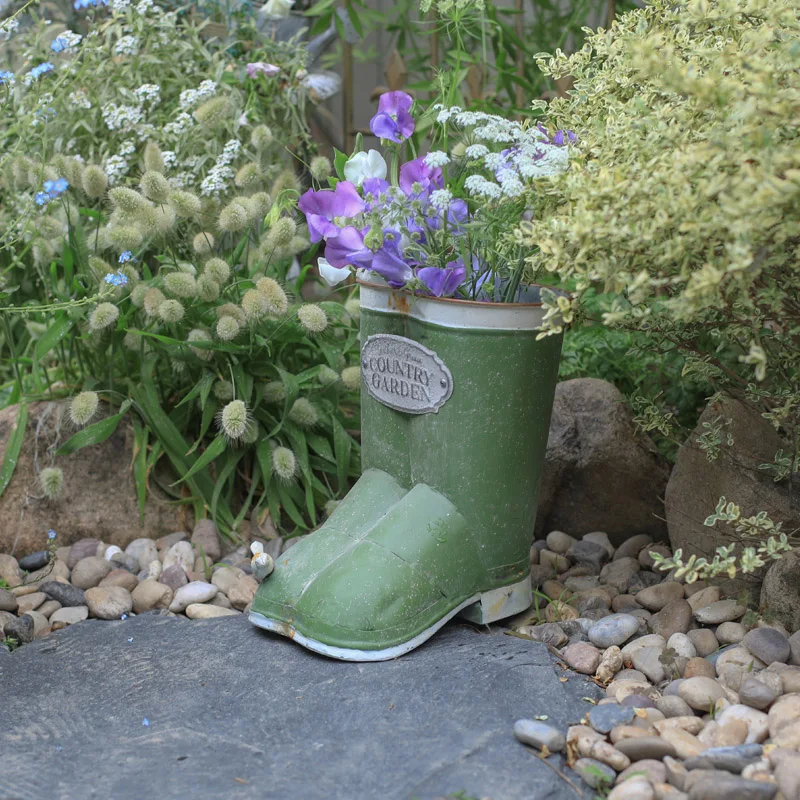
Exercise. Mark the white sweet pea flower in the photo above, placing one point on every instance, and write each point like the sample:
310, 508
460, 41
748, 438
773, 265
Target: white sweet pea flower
365, 165
261, 563
330, 274
277, 9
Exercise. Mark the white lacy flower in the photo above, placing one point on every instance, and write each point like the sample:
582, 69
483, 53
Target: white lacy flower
190, 97
261, 563
115, 167
476, 151
127, 46
362, 165
277, 9
441, 198
119, 118
80, 99
10, 27
437, 158
478, 185
182, 123
149, 92
330, 274
169, 157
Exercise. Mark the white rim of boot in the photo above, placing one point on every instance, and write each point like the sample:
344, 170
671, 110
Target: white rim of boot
449, 313
489, 607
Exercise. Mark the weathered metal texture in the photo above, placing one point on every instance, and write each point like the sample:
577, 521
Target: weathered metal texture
443, 515
484, 450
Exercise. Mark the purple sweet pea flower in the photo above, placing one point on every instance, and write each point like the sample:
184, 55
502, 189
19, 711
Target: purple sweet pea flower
257, 68
456, 214
417, 171
347, 249
376, 187
393, 120
389, 264
320, 207
443, 282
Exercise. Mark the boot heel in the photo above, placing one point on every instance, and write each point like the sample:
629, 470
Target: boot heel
500, 603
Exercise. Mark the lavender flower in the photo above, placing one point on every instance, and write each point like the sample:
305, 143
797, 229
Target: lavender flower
256, 68
443, 282
347, 248
418, 175
393, 120
320, 207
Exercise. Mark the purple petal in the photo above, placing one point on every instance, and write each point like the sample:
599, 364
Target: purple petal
393, 103
320, 207
417, 171
443, 282
389, 265
384, 127
347, 248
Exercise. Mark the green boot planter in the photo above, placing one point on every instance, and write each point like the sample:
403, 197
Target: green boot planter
459, 367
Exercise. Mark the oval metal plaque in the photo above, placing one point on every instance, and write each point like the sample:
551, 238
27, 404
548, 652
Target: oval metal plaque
404, 375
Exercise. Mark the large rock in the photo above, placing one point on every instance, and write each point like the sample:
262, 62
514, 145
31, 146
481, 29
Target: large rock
696, 484
781, 590
600, 475
99, 498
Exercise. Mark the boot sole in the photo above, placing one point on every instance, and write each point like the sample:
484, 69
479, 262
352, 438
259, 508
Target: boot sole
482, 608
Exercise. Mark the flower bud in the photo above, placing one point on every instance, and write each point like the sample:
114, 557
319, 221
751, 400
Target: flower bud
181, 284
152, 299
105, 315
284, 464
261, 137
234, 420
313, 318
155, 186
186, 204
153, 160
260, 204
171, 311
203, 243
200, 335
254, 305
51, 482
374, 239
207, 289
95, 181
223, 390
83, 407
127, 200
274, 393
227, 328
213, 112
231, 310
233, 217
278, 302
125, 237
248, 177
351, 378
320, 168
281, 232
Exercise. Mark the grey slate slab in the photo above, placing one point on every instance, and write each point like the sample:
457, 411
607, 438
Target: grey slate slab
236, 712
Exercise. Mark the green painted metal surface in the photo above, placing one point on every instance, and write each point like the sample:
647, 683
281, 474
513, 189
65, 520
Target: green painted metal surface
445, 508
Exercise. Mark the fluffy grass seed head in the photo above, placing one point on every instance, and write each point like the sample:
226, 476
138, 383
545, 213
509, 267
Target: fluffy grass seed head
327, 376
223, 390
213, 112
98, 267
231, 310
217, 269
200, 335
353, 308
104, 316
261, 137
171, 311
181, 284
51, 482
138, 293
127, 200
252, 434
83, 408
152, 300
260, 204
299, 244
275, 296
248, 177
203, 243
281, 233
351, 378
228, 328
155, 186
153, 159
207, 289
284, 464
186, 204
304, 413
234, 217
320, 168
274, 393
125, 237
164, 219
254, 305
234, 420
286, 180
312, 317
94, 181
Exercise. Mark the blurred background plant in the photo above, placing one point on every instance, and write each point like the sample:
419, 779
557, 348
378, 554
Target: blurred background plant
149, 259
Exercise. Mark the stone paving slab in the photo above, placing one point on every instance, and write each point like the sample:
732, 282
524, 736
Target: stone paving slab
235, 712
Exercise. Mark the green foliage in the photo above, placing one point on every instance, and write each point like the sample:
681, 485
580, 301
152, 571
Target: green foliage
682, 203
156, 280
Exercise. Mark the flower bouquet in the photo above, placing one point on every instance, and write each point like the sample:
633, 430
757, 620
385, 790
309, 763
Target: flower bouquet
436, 224
457, 381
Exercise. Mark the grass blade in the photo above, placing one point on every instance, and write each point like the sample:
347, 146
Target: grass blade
13, 448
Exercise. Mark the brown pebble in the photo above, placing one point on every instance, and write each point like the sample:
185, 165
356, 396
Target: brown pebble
699, 668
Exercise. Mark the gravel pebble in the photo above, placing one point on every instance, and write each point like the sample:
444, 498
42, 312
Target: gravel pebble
768, 644
539, 735
613, 630
108, 602
719, 612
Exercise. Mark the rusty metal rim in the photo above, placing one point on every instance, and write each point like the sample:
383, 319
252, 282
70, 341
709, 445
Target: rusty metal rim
478, 303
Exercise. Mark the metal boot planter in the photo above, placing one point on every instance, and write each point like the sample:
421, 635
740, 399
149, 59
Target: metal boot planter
456, 403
